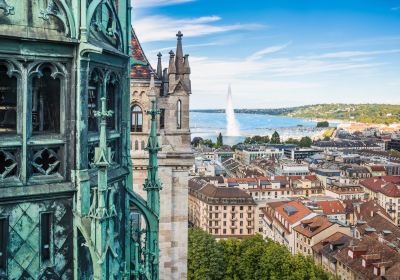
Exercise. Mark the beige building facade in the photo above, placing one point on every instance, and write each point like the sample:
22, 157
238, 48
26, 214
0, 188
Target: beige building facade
221, 211
170, 89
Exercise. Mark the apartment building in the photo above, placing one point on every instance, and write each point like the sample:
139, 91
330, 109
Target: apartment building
278, 187
279, 219
345, 191
311, 231
221, 211
324, 251
386, 191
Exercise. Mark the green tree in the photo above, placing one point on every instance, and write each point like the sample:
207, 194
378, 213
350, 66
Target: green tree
292, 141
275, 138
206, 257
220, 141
305, 142
323, 124
196, 141
207, 142
251, 249
232, 257
276, 261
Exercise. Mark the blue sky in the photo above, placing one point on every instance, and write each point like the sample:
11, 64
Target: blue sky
279, 53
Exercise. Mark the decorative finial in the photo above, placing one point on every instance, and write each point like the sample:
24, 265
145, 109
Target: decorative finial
159, 55
171, 53
179, 35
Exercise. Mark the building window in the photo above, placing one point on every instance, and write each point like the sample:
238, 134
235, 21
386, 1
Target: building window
8, 102
46, 229
136, 119
111, 104
3, 244
46, 102
162, 118
179, 114
136, 145
93, 100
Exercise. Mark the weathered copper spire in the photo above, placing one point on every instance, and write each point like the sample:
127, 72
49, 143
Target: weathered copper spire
152, 184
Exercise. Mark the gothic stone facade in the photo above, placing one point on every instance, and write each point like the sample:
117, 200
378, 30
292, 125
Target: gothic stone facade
67, 210
170, 88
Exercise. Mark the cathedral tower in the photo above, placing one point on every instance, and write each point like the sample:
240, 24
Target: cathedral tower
170, 88
67, 208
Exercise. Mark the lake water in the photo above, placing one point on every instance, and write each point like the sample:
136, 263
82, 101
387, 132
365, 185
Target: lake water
209, 125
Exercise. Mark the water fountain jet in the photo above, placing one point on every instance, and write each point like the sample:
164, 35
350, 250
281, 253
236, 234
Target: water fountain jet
232, 128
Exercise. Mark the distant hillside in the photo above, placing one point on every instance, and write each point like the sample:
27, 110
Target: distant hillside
365, 113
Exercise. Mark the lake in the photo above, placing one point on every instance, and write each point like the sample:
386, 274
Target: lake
209, 125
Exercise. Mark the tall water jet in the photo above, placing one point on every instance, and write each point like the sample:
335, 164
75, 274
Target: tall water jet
232, 128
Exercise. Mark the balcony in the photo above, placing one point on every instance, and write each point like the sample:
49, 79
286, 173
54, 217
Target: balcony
233, 226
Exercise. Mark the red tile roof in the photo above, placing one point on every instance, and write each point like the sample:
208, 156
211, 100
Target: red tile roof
377, 168
387, 185
302, 211
331, 207
313, 226
141, 68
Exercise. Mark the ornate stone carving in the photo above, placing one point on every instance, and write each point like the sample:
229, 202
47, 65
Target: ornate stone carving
8, 10
45, 162
8, 165
55, 10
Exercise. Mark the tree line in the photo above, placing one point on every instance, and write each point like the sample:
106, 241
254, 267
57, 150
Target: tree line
251, 258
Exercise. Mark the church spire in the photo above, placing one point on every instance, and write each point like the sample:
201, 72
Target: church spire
171, 66
159, 66
152, 183
179, 54
186, 65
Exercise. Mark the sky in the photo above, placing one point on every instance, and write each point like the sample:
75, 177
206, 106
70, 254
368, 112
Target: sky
279, 53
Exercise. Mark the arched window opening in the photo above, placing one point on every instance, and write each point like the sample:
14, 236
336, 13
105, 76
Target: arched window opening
162, 118
8, 102
111, 105
179, 115
143, 145
136, 145
46, 103
93, 101
136, 119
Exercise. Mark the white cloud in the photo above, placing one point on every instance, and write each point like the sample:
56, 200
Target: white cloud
268, 50
395, 8
162, 28
349, 54
155, 3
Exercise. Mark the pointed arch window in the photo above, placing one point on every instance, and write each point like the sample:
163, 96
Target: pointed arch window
8, 101
46, 91
94, 93
136, 119
179, 114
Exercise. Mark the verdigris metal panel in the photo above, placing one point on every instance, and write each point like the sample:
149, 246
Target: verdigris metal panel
24, 260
